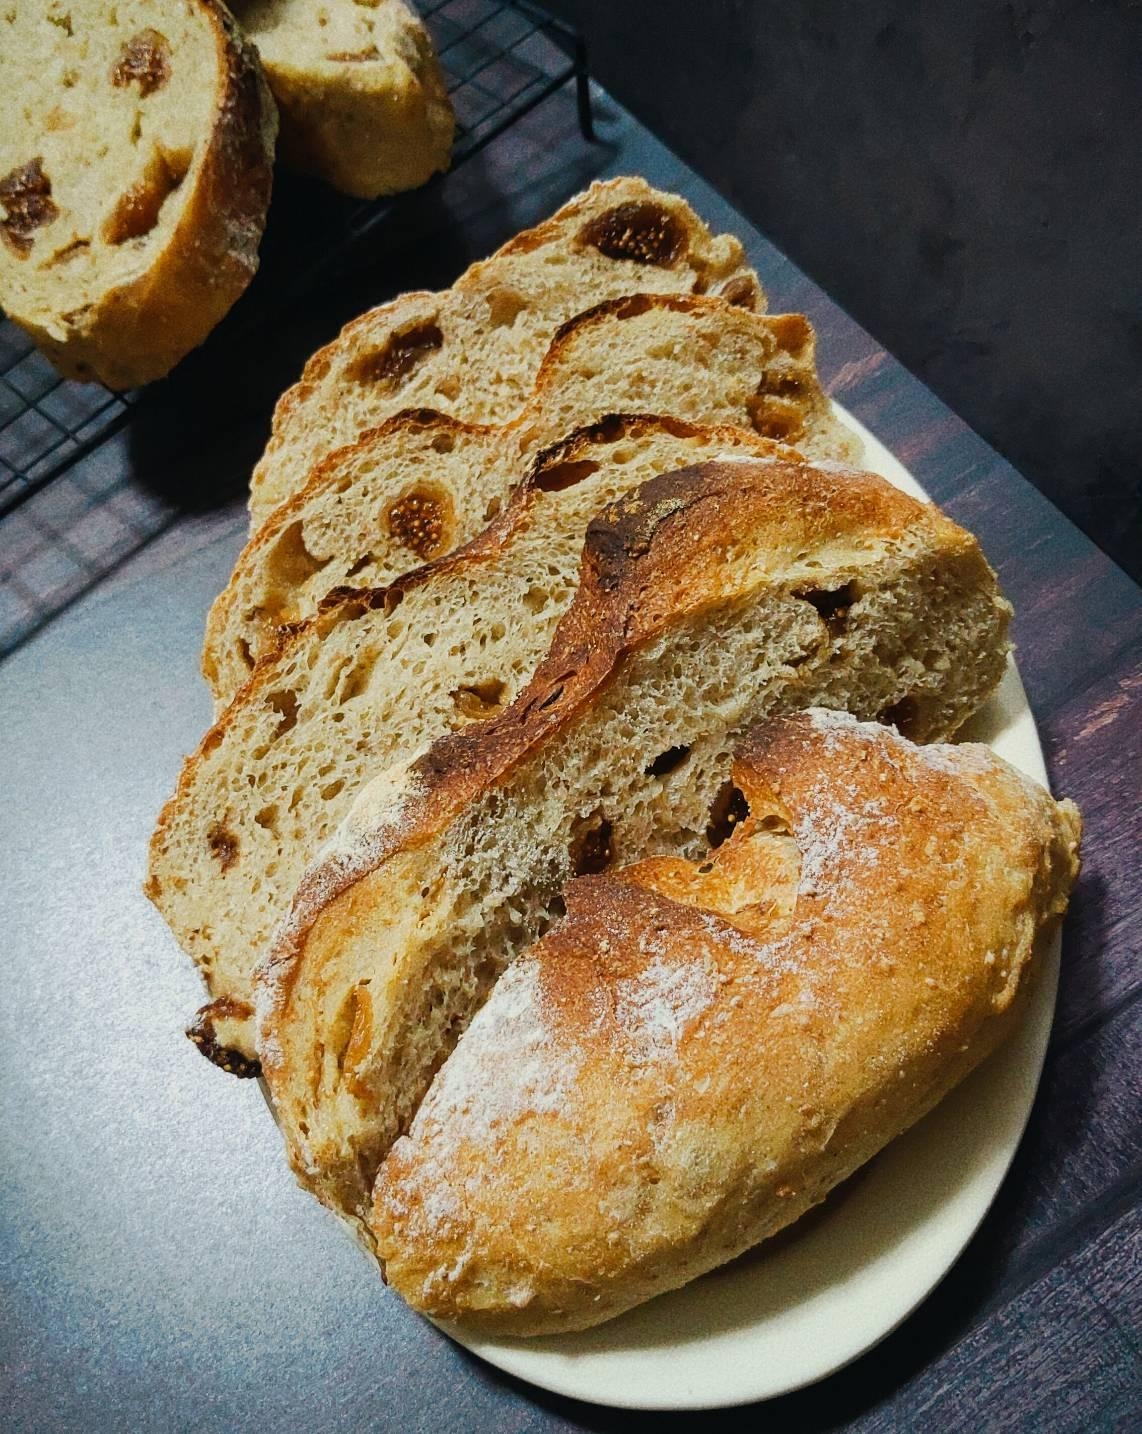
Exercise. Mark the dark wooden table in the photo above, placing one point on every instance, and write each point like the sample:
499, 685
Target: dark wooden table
161, 1271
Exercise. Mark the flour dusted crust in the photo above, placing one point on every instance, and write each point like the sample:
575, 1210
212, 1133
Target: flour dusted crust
422, 484
368, 680
360, 91
708, 599
473, 351
703, 1049
135, 173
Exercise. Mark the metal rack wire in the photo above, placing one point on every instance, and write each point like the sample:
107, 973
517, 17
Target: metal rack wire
69, 512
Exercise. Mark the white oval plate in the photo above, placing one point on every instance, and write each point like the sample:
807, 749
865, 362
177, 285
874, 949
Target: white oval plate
786, 1316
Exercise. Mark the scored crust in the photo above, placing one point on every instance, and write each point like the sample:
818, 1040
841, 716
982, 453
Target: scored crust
703, 1049
367, 681
119, 285
473, 350
698, 359
709, 599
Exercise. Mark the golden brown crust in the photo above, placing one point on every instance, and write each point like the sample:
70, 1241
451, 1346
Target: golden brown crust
138, 331
648, 559
701, 1051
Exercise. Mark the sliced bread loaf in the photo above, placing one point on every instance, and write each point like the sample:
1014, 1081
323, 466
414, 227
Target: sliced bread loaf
416, 487
371, 679
473, 351
362, 99
704, 1048
135, 163
708, 599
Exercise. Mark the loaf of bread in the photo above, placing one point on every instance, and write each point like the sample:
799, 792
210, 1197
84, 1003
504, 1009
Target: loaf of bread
135, 166
708, 599
702, 1049
369, 681
473, 351
360, 92
414, 488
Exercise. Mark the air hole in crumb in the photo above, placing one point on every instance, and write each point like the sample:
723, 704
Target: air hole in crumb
444, 443
778, 418
334, 789
358, 567
505, 306
591, 849
903, 715
358, 678
289, 563
479, 699
267, 818
728, 808
564, 475
667, 762
137, 211
285, 703
791, 331
831, 606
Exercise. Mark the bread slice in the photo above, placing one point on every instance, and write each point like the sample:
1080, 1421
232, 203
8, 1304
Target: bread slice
473, 351
370, 680
709, 599
134, 179
704, 1048
416, 488
362, 99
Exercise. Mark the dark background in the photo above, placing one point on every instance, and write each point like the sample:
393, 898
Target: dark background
965, 178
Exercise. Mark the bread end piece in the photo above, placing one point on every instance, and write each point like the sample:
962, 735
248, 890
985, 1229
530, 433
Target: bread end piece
702, 1050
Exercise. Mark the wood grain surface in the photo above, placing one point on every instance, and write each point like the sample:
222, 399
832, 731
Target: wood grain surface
1036, 1327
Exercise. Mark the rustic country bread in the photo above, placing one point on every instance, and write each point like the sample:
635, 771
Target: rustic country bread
135, 163
708, 599
702, 1049
473, 351
366, 683
415, 488
360, 92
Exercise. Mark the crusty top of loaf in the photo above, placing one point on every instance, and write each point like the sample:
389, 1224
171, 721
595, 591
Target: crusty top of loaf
701, 1049
663, 551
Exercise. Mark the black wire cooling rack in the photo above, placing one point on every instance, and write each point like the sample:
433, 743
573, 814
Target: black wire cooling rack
69, 512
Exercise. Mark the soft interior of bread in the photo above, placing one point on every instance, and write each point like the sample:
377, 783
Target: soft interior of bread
474, 350
111, 107
710, 363
348, 698
641, 772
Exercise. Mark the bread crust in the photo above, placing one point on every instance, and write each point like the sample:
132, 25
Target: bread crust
137, 331
686, 546
192, 896
700, 1051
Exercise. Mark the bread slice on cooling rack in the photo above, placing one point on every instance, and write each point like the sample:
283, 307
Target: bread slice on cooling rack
368, 682
416, 487
473, 351
135, 165
360, 91
703, 1048
708, 600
